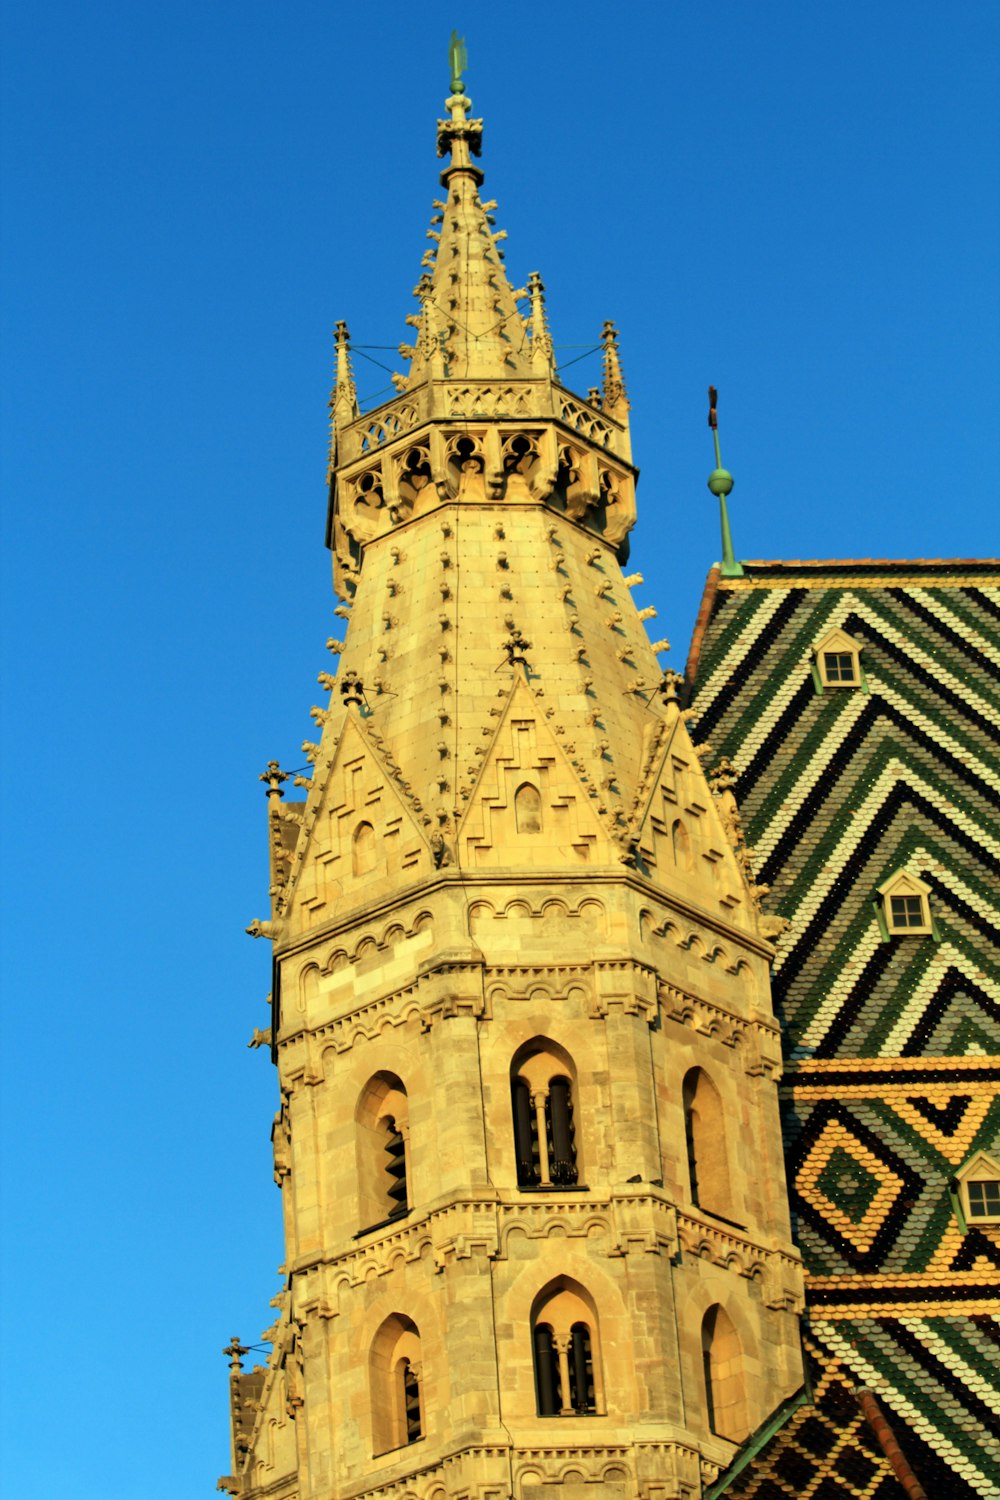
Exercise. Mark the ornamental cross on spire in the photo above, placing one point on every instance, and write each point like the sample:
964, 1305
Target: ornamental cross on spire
461, 137
458, 61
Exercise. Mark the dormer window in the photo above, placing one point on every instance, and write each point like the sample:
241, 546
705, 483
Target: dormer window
838, 661
904, 904
978, 1185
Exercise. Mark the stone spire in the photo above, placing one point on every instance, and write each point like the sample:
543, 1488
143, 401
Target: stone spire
469, 309
542, 355
509, 881
344, 396
481, 413
614, 400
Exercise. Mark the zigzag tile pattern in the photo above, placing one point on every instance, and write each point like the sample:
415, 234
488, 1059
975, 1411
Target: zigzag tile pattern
839, 788
892, 1045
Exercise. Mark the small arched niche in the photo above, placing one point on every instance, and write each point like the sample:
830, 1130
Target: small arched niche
383, 1150
725, 1377
396, 1385
528, 808
543, 1098
680, 842
363, 849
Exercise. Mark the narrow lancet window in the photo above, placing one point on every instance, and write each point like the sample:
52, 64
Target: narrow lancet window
528, 808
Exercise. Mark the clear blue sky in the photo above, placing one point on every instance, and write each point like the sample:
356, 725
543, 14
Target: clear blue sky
796, 202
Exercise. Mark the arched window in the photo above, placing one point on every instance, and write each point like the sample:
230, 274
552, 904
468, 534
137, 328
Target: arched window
681, 843
383, 1145
725, 1394
528, 808
542, 1104
564, 1349
396, 1372
705, 1137
363, 849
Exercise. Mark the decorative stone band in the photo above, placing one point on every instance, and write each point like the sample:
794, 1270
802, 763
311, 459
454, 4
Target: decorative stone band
537, 399
639, 1220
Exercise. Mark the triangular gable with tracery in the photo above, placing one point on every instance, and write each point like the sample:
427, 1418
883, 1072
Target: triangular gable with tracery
530, 806
358, 834
687, 837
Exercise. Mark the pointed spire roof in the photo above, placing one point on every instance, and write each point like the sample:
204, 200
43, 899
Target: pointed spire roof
344, 396
469, 314
542, 353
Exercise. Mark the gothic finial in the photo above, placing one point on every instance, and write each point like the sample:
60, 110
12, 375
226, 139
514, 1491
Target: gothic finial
515, 646
274, 776
344, 396
670, 683
542, 357
234, 1351
459, 136
352, 689
720, 482
615, 400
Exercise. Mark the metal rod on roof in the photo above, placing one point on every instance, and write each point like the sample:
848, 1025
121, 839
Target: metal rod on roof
889, 1444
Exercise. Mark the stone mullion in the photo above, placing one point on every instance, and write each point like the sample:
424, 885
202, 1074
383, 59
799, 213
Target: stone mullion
539, 1100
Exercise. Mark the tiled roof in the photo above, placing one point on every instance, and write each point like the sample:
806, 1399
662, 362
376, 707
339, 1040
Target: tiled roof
826, 1449
892, 1045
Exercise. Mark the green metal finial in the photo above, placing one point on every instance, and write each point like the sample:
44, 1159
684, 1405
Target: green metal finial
458, 61
720, 482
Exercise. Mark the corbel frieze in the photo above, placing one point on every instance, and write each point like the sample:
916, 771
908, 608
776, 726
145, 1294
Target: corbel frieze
624, 983
758, 1039
538, 982
542, 1213
668, 1471
444, 992
644, 1224
299, 1063
573, 1464
779, 1273
477, 1472
463, 1231
454, 1233
446, 989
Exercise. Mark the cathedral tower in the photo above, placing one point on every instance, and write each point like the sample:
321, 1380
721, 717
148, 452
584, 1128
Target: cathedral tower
536, 1223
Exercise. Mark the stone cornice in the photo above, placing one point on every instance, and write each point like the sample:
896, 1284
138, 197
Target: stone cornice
639, 1219
475, 882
